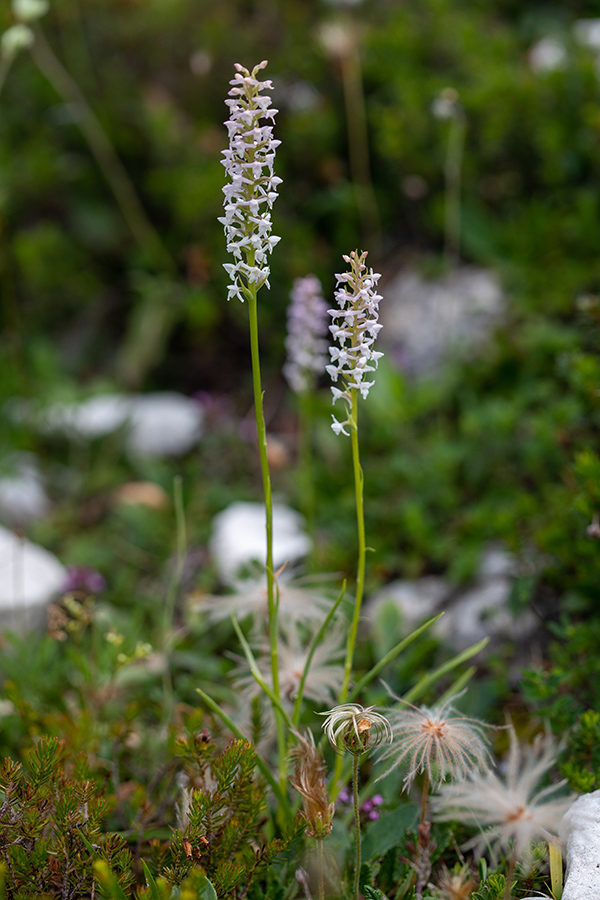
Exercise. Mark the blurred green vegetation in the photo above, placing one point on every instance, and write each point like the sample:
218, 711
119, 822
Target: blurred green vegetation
502, 446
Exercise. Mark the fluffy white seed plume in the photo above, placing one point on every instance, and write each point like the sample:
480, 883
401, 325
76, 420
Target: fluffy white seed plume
439, 742
305, 344
252, 190
514, 811
355, 328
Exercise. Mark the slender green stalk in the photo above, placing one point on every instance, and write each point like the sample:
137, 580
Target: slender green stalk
167, 625
358, 142
356, 824
279, 792
266, 477
321, 868
112, 168
362, 549
510, 875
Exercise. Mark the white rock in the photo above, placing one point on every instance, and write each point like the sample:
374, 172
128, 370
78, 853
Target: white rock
164, 424
23, 499
414, 600
29, 578
470, 614
157, 424
424, 320
239, 538
95, 417
580, 831
547, 55
587, 32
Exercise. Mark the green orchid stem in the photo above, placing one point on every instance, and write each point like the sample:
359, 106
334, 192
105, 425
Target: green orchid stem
362, 548
356, 824
266, 477
360, 575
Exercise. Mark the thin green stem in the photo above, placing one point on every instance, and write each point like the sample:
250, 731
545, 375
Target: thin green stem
424, 799
112, 168
510, 875
266, 477
362, 548
360, 575
321, 868
358, 142
174, 586
356, 824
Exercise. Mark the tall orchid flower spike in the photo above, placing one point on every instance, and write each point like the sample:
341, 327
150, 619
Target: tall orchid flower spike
355, 328
252, 189
307, 323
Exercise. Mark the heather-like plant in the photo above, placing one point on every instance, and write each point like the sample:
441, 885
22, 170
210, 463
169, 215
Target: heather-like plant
51, 826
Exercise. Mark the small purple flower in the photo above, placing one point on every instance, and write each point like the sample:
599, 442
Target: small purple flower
355, 327
84, 579
305, 344
249, 164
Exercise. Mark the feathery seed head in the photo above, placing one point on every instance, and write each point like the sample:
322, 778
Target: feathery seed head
439, 742
355, 328
310, 784
249, 164
517, 814
350, 727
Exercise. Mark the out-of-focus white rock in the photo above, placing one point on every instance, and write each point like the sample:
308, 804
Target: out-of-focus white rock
548, 55
164, 424
23, 499
587, 32
424, 320
30, 577
470, 614
239, 537
580, 832
157, 424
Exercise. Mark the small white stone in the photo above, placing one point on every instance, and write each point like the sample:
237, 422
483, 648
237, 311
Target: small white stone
547, 55
415, 601
157, 424
580, 831
164, 424
30, 577
425, 321
239, 537
23, 499
587, 32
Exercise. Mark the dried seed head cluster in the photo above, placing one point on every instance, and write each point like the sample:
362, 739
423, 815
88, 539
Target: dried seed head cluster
439, 742
517, 814
352, 728
305, 343
252, 190
355, 328
310, 784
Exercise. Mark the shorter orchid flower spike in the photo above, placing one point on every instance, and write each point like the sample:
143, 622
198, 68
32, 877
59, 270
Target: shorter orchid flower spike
352, 728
